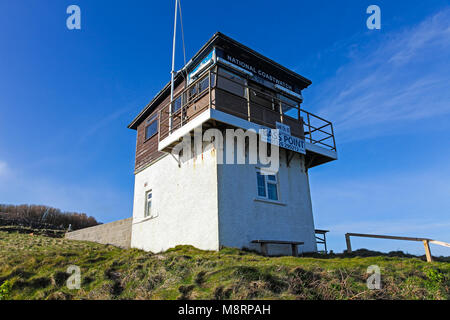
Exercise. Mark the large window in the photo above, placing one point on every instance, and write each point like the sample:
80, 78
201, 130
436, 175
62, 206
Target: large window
290, 107
200, 87
263, 97
151, 127
231, 82
267, 186
148, 204
177, 103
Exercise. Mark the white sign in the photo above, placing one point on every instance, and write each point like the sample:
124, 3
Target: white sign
284, 128
282, 137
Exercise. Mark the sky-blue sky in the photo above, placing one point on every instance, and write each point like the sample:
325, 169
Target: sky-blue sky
66, 97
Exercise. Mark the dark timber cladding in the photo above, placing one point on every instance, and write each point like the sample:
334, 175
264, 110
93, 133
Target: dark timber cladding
147, 146
226, 51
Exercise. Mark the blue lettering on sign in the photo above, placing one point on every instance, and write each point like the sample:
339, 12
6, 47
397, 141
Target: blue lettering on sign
277, 137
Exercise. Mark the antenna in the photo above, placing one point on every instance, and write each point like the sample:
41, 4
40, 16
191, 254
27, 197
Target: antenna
177, 7
173, 65
182, 31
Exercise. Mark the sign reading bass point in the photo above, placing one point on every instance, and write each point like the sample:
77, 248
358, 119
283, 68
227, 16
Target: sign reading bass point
282, 137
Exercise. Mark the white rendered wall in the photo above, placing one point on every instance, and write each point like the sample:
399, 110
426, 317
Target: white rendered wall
243, 218
207, 205
185, 200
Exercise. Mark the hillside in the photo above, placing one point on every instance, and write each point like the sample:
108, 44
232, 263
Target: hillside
34, 267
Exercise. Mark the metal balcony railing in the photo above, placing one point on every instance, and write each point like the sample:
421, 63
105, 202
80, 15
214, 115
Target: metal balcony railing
202, 94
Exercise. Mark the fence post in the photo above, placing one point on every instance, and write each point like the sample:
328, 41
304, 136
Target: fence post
349, 245
426, 244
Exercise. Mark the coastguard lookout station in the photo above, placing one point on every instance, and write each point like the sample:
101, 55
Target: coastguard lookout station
200, 199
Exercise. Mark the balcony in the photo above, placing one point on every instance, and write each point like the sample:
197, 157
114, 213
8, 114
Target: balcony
219, 97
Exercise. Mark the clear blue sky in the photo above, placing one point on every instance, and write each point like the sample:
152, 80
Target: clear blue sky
66, 98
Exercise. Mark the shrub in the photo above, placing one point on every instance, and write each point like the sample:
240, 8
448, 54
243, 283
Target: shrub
5, 290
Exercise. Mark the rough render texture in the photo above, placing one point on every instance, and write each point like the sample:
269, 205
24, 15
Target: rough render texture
210, 205
117, 233
244, 217
184, 201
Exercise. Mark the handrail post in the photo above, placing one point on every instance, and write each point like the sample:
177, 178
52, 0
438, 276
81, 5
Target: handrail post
159, 126
209, 88
309, 127
247, 89
181, 110
332, 134
170, 118
281, 110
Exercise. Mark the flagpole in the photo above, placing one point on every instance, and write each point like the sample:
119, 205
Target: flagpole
173, 66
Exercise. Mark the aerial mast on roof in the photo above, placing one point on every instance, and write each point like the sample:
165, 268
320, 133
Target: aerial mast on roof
173, 64
177, 7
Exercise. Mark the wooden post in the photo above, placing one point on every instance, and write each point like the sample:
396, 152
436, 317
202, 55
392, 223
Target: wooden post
349, 245
281, 111
209, 88
159, 126
427, 250
247, 89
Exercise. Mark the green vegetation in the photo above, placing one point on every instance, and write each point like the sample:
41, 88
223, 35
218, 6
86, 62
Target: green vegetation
34, 267
5, 290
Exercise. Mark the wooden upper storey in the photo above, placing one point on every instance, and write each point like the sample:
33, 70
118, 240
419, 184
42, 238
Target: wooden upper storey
228, 77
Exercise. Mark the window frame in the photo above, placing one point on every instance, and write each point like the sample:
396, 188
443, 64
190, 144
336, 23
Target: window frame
146, 213
226, 76
294, 104
149, 122
180, 99
266, 183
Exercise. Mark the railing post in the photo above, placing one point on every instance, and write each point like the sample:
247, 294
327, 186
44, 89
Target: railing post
159, 126
209, 88
170, 118
181, 111
309, 127
247, 89
332, 134
281, 111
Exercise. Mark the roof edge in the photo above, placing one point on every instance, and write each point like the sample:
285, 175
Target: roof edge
133, 124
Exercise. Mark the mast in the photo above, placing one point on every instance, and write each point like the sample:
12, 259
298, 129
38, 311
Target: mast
173, 66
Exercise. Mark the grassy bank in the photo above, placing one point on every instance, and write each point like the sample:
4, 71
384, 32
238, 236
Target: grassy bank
34, 267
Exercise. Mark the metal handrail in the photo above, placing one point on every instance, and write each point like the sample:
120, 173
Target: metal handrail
304, 116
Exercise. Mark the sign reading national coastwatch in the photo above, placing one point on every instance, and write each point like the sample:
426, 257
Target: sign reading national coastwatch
282, 137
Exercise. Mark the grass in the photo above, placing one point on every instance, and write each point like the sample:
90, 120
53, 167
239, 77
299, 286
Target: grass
34, 267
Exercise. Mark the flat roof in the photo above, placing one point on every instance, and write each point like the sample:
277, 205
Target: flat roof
217, 39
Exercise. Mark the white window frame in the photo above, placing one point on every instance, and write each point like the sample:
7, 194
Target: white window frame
146, 213
265, 174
